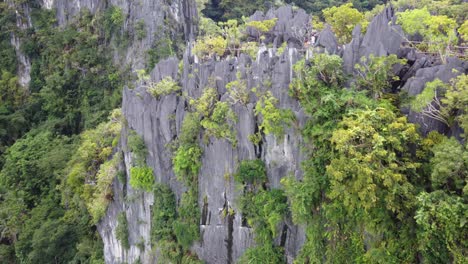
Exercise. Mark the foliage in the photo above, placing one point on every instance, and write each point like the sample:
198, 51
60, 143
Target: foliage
373, 161
162, 48
343, 19
142, 178
376, 73
220, 123
251, 172
137, 146
444, 102
140, 29
268, 254
163, 213
121, 231
186, 162
205, 104
273, 118
238, 91
164, 87
112, 21
437, 31
263, 26
318, 89
456, 100
102, 190
209, 46
217, 118
12, 94
463, 31
186, 227
33, 163
442, 220
264, 211
68, 64
208, 27
190, 129
449, 166
93, 167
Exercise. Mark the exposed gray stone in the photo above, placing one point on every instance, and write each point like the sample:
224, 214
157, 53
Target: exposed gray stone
415, 85
159, 120
383, 37
327, 40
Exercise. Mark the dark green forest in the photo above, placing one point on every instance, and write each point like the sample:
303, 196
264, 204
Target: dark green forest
375, 189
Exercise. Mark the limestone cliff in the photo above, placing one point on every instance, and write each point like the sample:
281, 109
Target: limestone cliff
158, 120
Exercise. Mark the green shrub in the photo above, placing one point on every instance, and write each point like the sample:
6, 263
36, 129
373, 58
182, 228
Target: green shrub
113, 20
343, 19
263, 254
161, 49
206, 103
102, 192
186, 163
186, 227
251, 172
220, 123
163, 213
190, 129
121, 231
122, 177
238, 91
142, 178
137, 146
140, 29
376, 74
264, 211
210, 45
164, 87
273, 118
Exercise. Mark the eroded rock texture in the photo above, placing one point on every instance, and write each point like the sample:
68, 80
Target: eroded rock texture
158, 121
224, 239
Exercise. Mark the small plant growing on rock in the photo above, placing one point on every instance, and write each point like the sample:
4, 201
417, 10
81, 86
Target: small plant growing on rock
238, 91
273, 118
262, 27
121, 231
142, 178
164, 87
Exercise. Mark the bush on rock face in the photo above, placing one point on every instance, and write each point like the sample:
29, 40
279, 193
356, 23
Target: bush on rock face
142, 178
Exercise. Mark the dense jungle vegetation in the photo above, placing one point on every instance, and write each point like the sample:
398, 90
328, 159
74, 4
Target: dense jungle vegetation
374, 190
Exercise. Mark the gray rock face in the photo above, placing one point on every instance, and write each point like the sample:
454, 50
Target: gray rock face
179, 16
327, 40
292, 25
23, 22
415, 85
383, 37
351, 54
158, 121
224, 239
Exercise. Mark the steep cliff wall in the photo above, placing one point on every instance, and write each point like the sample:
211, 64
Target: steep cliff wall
175, 17
159, 121
23, 22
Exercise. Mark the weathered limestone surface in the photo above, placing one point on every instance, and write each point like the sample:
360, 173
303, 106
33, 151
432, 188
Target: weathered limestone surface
158, 121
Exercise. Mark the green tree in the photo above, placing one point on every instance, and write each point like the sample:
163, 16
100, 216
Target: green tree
442, 221
142, 178
343, 19
376, 74
438, 31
